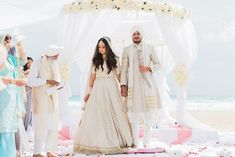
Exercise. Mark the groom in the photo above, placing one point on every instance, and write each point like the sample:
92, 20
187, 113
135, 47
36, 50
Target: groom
139, 61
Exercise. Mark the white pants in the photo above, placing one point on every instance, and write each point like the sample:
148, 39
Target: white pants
148, 122
48, 145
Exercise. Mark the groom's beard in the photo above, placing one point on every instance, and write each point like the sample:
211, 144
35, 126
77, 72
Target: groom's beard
137, 41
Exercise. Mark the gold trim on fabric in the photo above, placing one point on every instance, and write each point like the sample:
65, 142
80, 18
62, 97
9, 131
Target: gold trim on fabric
96, 150
130, 94
34, 101
151, 103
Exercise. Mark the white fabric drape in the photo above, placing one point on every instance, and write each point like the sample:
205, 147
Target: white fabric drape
79, 33
167, 64
181, 40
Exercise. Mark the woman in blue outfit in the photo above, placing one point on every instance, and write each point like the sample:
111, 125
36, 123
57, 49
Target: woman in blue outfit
8, 104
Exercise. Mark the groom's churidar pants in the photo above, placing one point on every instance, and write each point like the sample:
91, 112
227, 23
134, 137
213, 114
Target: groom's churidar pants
148, 123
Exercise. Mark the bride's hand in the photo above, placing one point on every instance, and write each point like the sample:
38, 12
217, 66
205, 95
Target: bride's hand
86, 98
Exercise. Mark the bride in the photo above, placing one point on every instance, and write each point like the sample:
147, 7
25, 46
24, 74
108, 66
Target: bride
104, 127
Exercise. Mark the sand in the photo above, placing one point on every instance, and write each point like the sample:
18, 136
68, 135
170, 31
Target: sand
223, 121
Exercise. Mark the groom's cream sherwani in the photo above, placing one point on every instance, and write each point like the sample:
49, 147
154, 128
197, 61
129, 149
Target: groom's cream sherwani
142, 96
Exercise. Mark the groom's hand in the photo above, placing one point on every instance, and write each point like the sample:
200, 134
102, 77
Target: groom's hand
124, 91
144, 69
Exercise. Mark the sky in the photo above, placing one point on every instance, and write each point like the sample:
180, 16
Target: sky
213, 73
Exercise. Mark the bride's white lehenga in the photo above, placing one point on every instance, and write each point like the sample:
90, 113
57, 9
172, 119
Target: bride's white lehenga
104, 126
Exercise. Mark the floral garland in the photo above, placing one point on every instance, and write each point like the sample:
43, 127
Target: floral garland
136, 5
181, 75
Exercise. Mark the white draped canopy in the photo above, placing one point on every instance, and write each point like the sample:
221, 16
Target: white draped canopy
167, 27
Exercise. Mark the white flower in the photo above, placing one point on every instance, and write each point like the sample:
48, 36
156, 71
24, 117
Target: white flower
224, 153
176, 153
144, 5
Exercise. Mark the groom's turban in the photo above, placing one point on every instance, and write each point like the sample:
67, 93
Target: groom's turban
135, 29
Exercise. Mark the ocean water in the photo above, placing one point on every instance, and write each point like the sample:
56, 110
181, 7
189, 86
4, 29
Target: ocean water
193, 103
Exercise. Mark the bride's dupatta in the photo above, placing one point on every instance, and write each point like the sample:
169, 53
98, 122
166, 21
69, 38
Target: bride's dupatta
87, 91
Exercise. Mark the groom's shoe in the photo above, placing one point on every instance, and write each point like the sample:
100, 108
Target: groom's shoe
133, 146
135, 143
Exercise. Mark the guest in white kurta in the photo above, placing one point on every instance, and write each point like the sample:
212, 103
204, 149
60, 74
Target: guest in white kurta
44, 74
139, 61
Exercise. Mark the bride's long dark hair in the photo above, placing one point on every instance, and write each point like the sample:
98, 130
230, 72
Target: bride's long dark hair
98, 60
